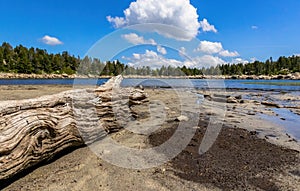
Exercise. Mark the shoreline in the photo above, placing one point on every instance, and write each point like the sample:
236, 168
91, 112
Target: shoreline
295, 76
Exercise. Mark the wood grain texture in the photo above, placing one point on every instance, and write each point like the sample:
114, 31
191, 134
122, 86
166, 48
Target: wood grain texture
35, 130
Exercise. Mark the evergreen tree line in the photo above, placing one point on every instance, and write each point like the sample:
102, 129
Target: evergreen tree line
33, 60
284, 65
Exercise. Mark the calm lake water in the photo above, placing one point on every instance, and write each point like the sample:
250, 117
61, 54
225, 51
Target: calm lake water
167, 83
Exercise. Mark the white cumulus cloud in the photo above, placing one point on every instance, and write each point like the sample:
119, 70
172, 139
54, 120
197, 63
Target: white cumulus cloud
206, 27
117, 21
53, 41
136, 39
215, 48
226, 53
204, 61
210, 47
161, 50
178, 13
239, 60
154, 60
151, 59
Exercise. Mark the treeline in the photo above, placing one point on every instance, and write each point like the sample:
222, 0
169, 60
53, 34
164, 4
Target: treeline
34, 60
284, 65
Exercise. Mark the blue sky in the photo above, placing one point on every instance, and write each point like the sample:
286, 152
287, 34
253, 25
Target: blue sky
251, 28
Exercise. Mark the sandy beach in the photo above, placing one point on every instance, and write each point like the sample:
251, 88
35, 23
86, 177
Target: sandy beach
250, 152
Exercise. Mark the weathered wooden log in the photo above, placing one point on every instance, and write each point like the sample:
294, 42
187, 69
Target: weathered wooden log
37, 129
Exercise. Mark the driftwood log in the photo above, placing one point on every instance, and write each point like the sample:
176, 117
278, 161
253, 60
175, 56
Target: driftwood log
35, 130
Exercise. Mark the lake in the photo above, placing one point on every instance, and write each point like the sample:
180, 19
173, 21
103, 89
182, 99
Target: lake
276, 85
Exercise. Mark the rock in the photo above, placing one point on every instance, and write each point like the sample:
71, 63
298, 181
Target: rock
271, 104
293, 140
251, 113
232, 100
207, 96
141, 87
245, 101
296, 76
182, 118
219, 99
220, 95
65, 75
210, 112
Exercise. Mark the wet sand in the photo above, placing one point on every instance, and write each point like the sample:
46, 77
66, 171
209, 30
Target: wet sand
18, 92
250, 153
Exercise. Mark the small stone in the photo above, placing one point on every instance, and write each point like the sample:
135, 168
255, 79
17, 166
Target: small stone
244, 101
251, 113
232, 100
141, 87
182, 118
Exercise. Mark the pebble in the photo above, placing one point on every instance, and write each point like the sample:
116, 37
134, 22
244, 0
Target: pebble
182, 118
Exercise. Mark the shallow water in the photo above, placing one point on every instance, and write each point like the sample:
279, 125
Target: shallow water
212, 84
166, 83
287, 119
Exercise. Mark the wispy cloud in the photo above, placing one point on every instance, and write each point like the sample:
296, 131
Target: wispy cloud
52, 41
182, 52
253, 59
226, 53
254, 27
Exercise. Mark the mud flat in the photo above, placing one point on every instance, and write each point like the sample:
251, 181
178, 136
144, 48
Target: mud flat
250, 152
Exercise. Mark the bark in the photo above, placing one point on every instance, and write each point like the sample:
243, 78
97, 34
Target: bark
35, 130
